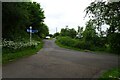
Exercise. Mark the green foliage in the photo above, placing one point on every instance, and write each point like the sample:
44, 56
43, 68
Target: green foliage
89, 32
107, 13
68, 32
56, 34
19, 16
50, 35
89, 39
13, 15
79, 32
112, 74
114, 42
93, 38
103, 12
78, 43
68, 41
43, 31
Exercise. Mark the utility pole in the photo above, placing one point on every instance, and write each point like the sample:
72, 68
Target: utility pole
56, 29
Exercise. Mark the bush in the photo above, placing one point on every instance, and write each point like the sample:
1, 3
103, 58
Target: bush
114, 42
111, 74
80, 44
66, 41
11, 46
75, 43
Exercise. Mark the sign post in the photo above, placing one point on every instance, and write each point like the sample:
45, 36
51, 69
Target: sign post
31, 31
30, 34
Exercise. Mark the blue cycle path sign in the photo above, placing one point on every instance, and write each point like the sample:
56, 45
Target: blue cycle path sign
32, 31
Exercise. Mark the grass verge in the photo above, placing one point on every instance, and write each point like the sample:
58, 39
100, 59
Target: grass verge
6, 58
72, 48
63, 46
112, 74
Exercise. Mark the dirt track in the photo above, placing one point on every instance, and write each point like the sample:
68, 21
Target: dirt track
55, 62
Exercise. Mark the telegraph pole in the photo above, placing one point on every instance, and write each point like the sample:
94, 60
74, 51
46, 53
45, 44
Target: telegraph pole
56, 29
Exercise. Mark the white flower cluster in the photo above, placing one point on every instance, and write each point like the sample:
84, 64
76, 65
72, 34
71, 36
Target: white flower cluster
114, 77
18, 45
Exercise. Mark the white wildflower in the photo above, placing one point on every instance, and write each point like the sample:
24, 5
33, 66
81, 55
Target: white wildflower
110, 76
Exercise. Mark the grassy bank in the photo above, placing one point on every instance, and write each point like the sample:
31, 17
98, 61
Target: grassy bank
112, 74
76, 44
11, 56
68, 47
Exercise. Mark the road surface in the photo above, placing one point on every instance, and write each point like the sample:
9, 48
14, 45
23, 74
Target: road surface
55, 62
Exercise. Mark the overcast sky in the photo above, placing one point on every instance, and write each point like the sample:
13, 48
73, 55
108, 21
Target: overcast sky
60, 13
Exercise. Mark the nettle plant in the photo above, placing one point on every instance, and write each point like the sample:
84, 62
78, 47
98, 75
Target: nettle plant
18, 45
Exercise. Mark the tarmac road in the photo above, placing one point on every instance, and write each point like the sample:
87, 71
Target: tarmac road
55, 62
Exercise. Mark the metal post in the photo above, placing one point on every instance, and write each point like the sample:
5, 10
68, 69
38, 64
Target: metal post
30, 34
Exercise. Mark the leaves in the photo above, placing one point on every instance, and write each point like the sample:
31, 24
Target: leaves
105, 13
18, 16
68, 32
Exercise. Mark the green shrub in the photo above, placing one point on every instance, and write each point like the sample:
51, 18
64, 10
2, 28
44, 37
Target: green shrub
80, 44
66, 41
111, 74
75, 43
114, 42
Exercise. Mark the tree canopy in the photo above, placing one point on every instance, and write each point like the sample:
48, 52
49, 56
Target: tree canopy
68, 32
19, 16
107, 13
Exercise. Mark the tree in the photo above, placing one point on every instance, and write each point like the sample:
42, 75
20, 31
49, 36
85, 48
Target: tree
51, 35
56, 34
14, 19
80, 32
72, 33
68, 32
43, 30
19, 16
107, 13
89, 34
